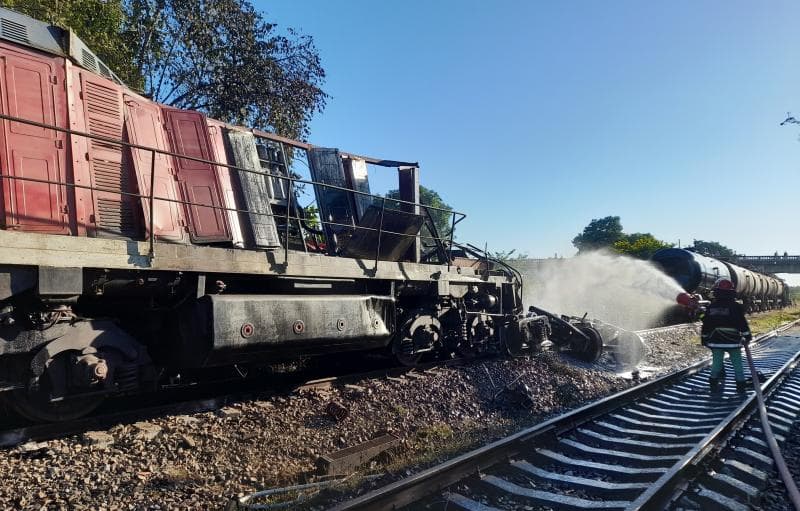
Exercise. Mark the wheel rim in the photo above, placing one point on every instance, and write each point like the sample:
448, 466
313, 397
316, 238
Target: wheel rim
592, 348
37, 407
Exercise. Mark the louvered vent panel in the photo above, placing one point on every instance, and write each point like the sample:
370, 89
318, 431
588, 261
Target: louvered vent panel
102, 105
89, 62
115, 213
104, 70
105, 129
109, 175
101, 100
14, 31
115, 218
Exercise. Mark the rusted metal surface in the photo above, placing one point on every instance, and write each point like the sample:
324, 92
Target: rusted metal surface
143, 127
98, 103
346, 461
188, 136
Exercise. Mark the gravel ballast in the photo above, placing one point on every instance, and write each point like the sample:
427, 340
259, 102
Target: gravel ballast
203, 460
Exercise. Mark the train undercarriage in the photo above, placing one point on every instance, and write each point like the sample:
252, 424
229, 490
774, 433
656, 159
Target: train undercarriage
71, 338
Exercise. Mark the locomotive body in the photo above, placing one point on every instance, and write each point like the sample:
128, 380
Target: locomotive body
140, 243
697, 273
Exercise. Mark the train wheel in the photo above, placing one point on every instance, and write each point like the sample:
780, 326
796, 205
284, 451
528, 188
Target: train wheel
589, 350
37, 407
420, 334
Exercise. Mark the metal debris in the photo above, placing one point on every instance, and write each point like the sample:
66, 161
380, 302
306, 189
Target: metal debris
304, 491
518, 393
345, 461
337, 410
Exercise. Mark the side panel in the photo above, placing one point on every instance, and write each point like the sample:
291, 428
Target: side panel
188, 136
226, 179
143, 127
254, 189
335, 205
100, 103
223, 329
33, 88
357, 179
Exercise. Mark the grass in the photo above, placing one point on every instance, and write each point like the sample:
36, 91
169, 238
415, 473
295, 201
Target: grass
766, 321
433, 443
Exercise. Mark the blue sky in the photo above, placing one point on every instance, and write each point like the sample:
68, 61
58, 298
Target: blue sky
533, 117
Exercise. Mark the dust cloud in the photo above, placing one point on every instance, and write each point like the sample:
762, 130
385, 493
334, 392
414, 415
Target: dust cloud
630, 293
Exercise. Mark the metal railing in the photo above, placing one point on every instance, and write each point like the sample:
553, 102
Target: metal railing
776, 259
288, 218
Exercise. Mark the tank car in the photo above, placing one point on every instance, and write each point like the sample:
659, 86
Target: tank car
143, 245
697, 273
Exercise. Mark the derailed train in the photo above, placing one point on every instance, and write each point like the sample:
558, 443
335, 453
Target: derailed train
143, 245
697, 273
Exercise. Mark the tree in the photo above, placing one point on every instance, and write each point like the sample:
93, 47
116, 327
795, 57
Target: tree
216, 56
641, 245
442, 220
711, 249
600, 233
505, 256
608, 233
223, 58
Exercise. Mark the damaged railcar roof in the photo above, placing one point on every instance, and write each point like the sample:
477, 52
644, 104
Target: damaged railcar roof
21, 29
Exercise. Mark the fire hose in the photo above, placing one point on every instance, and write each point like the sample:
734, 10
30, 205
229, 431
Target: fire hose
791, 487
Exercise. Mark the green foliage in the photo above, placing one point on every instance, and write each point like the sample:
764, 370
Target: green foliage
216, 56
505, 256
711, 249
600, 233
608, 233
311, 214
221, 57
99, 23
640, 245
441, 219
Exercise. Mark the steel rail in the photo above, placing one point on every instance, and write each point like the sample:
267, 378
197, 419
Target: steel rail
667, 328
435, 479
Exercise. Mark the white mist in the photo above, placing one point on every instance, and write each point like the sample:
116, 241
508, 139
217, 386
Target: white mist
627, 292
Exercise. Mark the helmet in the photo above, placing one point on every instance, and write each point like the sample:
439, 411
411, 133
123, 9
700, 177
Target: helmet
723, 284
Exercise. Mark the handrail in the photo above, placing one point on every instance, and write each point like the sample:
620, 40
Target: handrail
122, 143
287, 217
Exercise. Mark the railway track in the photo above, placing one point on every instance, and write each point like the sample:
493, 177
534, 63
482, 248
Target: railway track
740, 472
628, 451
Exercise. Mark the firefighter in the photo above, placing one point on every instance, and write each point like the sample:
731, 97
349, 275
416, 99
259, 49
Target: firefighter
725, 329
